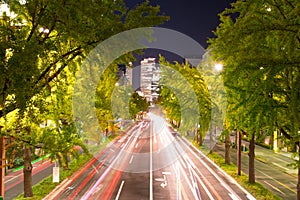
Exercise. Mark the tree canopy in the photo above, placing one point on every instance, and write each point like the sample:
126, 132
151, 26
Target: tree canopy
47, 36
259, 42
42, 46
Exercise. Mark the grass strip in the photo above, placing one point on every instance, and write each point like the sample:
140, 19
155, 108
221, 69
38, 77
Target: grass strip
43, 188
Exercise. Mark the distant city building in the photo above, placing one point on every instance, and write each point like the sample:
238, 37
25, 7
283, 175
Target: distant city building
149, 78
129, 75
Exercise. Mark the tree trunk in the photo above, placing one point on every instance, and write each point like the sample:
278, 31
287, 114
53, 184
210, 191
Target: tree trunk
271, 142
251, 155
200, 139
27, 172
196, 137
227, 149
66, 161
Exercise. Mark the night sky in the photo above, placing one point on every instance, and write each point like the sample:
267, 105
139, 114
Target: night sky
195, 18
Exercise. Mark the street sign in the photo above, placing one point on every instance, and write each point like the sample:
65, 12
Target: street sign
55, 174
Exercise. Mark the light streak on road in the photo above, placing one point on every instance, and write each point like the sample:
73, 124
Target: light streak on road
151, 160
202, 180
231, 192
170, 165
131, 160
92, 190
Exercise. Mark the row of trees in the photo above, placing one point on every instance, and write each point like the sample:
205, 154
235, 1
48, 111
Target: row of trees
185, 98
42, 47
259, 42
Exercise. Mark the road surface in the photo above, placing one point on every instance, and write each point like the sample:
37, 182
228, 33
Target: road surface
149, 162
271, 170
13, 181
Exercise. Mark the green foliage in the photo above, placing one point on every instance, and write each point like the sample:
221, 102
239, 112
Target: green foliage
48, 36
41, 51
260, 51
188, 83
44, 187
137, 104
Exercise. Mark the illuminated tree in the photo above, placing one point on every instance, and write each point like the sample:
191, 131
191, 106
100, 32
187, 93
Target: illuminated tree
259, 43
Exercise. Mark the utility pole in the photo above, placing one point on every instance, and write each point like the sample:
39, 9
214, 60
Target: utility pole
239, 152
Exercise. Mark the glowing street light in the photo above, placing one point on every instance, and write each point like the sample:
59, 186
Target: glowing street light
219, 67
44, 30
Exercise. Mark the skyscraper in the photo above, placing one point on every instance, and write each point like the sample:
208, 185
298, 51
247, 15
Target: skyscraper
149, 78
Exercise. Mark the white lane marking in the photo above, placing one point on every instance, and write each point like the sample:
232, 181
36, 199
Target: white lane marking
213, 173
195, 185
137, 144
183, 172
203, 185
286, 169
249, 196
183, 163
14, 177
151, 173
275, 188
131, 160
185, 160
177, 171
233, 197
95, 169
111, 159
120, 189
163, 180
94, 186
284, 185
166, 173
281, 160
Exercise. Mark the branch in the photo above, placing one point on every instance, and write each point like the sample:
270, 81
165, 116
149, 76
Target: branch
11, 107
25, 141
35, 25
55, 62
61, 68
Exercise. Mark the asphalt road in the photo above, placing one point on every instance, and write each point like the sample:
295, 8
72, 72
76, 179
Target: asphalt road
148, 162
271, 170
14, 181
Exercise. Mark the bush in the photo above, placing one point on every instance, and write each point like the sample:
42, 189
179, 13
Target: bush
18, 162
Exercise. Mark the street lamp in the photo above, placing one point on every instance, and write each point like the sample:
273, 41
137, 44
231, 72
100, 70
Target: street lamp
218, 67
44, 30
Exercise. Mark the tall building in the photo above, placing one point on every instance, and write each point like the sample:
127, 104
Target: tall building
149, 78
